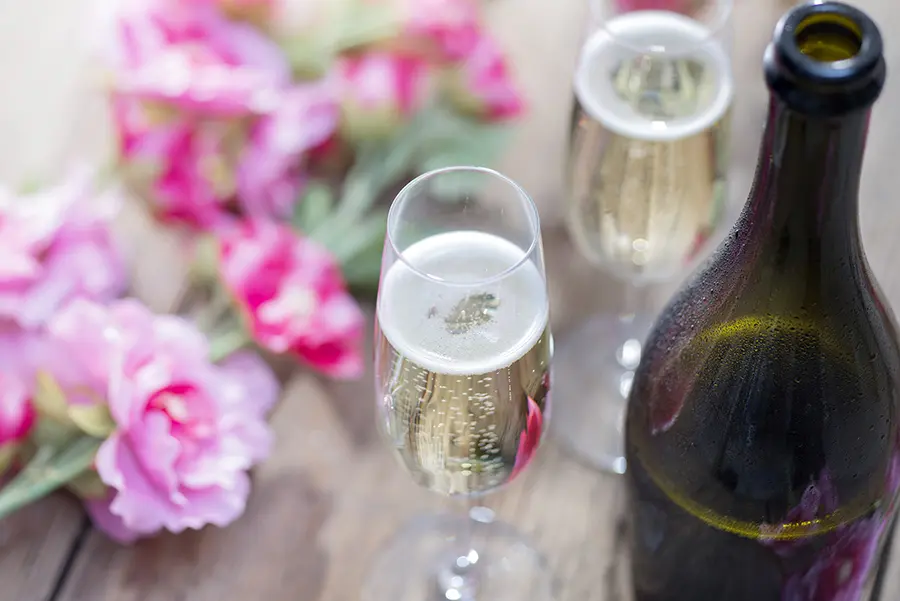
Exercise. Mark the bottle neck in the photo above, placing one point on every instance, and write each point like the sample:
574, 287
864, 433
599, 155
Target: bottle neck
806, 190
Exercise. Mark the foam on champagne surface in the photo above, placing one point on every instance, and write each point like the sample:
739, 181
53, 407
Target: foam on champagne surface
421, 316
660, 35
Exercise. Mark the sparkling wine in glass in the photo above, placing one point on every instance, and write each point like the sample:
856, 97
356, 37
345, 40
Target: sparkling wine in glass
647, 189
462, 358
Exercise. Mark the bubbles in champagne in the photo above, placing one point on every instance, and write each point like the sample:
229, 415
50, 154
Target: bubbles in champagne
463, 367
649, 143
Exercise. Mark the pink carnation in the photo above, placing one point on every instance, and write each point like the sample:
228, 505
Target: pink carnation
207, 116
450, 29
269, 176
482, 84
185, 164
191, 57
186, 431
293, 297
16, 415
678, 6
379, 90
56, 245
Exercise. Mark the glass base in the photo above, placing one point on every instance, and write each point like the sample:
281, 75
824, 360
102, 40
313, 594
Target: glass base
591, 381
428, 561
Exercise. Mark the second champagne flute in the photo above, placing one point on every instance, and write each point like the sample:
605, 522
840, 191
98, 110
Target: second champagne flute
647, 181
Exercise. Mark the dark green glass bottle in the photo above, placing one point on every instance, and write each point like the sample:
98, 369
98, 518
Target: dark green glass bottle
762, 430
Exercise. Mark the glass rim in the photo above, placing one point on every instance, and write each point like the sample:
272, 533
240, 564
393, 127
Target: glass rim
722, 17
531, 210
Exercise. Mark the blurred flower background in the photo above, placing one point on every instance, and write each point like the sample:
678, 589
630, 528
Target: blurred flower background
268, 137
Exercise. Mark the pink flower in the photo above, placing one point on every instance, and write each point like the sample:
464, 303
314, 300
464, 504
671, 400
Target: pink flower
16, 416
481, 83
269, 175
293, 297
56, 245
186, 165
186, 431
192, 58
379, 90
678, 6
449, 29
207, 116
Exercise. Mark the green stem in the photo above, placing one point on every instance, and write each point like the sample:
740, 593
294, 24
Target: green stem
219, 306
227, 344
50, 469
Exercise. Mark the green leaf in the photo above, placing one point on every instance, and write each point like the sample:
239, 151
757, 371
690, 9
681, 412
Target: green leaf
49, 399
367, 235
204, 265
93, 419
453, 139
364, 270
50, 468
7, 454
313, 208
366, 22
50, 432
88, 485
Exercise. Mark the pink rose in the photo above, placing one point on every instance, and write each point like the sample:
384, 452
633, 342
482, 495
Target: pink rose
192, 58
293, 297
186, 431
269, 174
482, 84
56, 245
379, 90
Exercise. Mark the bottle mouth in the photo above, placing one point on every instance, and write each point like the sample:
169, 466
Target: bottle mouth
828, 38
826, 57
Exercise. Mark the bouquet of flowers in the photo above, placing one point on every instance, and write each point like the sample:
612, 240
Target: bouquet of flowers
266, 132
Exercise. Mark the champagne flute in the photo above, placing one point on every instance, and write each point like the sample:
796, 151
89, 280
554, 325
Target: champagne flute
647, 182
462, 364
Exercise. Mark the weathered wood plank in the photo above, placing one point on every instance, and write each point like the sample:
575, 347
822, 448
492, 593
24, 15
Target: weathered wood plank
34, 545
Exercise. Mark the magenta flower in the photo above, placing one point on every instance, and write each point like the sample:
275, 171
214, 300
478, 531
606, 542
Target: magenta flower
448, 29
186, 431
190, 57
56, 245
186, 165
379, 90
208, 117
270, 175
482, 84
293, 297
16, 416
678, 6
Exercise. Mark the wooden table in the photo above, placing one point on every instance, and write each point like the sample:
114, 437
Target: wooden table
331, 495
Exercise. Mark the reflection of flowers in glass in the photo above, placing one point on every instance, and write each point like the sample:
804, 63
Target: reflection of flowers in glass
843, 564
530, 439
842, 567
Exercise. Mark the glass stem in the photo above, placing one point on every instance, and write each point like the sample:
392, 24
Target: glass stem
459, 580
628, 353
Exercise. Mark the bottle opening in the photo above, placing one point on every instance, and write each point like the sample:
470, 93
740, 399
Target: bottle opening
829, 37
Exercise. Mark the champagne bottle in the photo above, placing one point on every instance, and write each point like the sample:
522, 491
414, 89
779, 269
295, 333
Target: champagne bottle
762, 430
